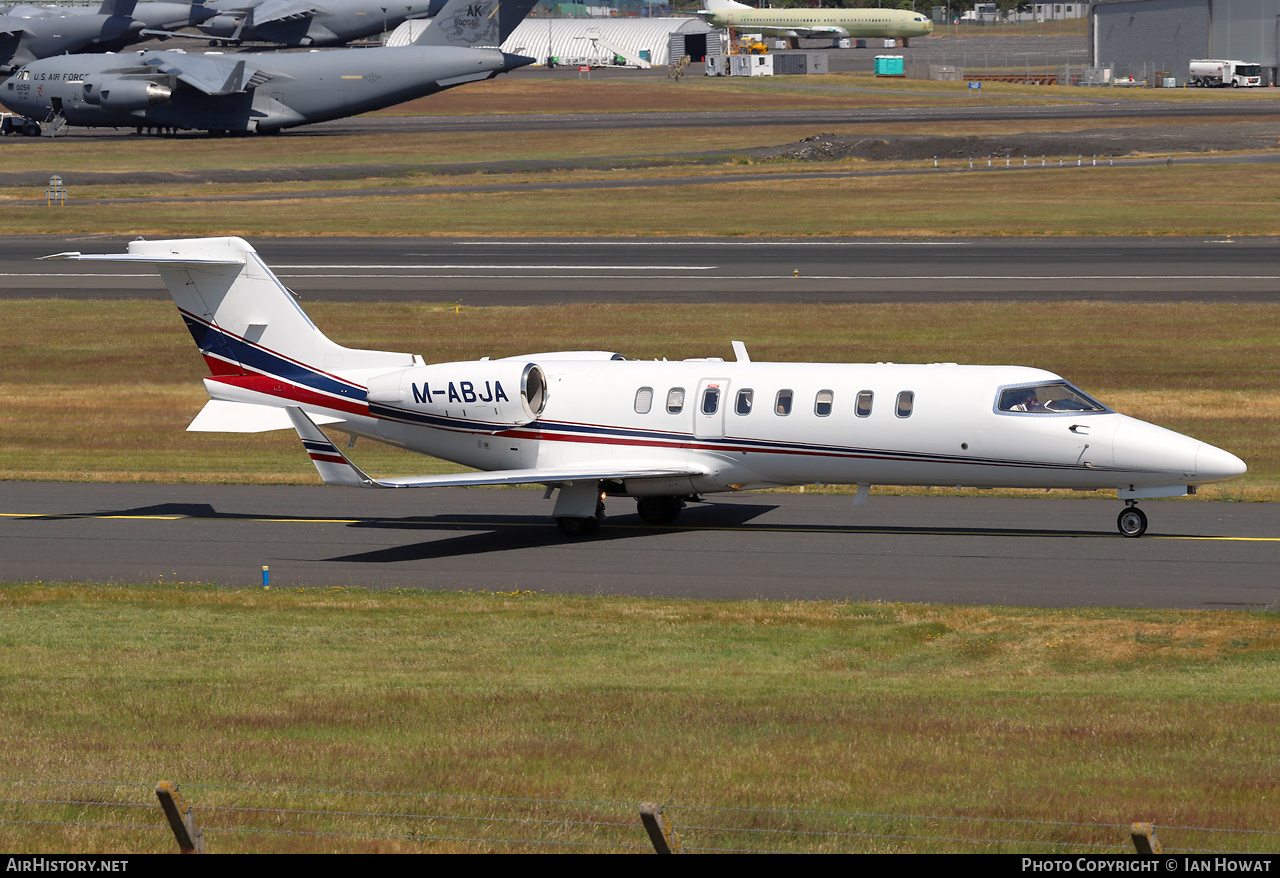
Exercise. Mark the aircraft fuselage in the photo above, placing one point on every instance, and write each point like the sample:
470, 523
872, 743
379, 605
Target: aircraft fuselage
301, 88
939, 424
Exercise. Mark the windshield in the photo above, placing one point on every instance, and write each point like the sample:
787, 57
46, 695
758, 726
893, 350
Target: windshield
1248, 69
1047, 398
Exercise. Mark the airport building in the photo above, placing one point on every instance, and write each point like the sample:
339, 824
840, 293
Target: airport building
1159, 38
598, 41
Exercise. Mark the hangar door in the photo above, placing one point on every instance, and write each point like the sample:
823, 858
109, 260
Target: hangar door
693, 45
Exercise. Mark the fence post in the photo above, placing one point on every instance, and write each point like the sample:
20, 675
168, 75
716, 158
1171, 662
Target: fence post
190, 839
1144, 839
664, 838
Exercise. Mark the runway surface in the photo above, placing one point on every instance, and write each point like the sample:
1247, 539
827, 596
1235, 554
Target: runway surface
487, 272
1031, 552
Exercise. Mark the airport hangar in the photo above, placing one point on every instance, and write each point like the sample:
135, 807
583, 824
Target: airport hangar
642, 42
1142, 38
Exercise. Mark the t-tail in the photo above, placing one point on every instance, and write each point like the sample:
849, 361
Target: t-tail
262, 350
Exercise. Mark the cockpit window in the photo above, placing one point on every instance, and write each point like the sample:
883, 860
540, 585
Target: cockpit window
1047, 399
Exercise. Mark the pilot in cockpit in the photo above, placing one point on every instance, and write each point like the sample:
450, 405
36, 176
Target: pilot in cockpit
1026, 401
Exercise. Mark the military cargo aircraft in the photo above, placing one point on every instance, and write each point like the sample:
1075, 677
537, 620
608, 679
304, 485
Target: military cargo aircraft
28, 33
304, 23
152, 13
266, 93
592, 424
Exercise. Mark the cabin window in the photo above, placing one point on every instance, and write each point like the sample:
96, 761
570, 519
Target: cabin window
644, 400
675, 400
711, 400
743, 405
862, 408
782, 403
906, 402
822, 403
1058, 396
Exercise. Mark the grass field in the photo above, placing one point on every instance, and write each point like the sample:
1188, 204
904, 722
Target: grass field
874, 727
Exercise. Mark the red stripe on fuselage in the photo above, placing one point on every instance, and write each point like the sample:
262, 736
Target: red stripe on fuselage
219, 367
278, 387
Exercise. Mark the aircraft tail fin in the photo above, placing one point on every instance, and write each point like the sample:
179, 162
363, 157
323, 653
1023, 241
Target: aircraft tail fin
122, 8
475, 23
249, 327
722, 5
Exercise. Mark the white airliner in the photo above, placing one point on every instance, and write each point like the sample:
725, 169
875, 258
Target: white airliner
816, 23
591, 424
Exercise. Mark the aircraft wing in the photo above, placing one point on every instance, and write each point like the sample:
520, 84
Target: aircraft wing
822, 31
335, 469
285, 10
213, 75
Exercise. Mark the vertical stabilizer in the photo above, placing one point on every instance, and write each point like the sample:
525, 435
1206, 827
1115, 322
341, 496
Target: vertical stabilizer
122, 8
475, 23
242, 318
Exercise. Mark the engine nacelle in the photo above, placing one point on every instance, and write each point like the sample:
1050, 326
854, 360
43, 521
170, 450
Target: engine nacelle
222, 26
490, 393
118, 93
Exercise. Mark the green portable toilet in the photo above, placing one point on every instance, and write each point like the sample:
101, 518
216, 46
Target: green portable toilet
889, 65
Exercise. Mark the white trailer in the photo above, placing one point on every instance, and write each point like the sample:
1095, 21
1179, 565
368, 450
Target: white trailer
1207, 73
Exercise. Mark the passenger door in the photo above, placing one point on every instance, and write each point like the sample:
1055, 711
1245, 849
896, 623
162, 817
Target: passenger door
708, 408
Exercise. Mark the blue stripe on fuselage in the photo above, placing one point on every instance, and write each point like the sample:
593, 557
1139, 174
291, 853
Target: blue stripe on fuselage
220, 343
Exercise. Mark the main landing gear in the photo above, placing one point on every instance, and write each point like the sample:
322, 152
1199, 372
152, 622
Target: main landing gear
659, 510
1132, 521
584, 526
653, 510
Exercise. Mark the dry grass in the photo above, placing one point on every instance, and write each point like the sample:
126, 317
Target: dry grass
281, 699
1178, 200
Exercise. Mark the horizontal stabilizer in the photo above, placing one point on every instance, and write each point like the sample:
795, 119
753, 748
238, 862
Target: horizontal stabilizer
224, 416
145, 259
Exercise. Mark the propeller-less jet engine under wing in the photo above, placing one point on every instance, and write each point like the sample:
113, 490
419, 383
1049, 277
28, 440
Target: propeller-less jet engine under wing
267, 93
590, 423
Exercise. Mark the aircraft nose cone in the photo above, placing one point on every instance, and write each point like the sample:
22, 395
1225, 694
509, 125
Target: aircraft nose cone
1215, 465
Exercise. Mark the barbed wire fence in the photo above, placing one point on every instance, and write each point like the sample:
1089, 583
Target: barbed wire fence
62, 815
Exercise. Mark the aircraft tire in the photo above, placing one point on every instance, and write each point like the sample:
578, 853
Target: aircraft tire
1132, 522
659, 510
572, 526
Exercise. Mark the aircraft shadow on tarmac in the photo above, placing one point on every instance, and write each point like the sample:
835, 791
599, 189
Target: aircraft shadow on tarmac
504, 533
500, 533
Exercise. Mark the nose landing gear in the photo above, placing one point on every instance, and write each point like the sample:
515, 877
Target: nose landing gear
1132, 521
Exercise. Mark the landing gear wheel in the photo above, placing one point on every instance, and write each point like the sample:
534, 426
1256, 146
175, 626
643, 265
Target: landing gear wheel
572, 526
659, 510
1132, 522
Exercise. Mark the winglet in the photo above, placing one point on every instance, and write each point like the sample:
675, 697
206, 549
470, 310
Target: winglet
331, 463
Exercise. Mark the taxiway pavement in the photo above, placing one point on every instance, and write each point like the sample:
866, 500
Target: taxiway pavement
1029, 552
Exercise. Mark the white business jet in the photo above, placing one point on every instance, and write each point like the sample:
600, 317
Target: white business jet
589, 424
